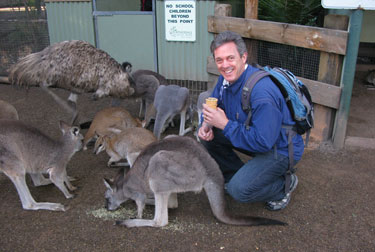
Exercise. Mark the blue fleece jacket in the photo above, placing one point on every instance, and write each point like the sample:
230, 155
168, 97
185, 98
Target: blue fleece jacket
269, 112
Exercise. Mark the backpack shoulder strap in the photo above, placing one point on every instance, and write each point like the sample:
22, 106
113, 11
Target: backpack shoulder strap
246, 92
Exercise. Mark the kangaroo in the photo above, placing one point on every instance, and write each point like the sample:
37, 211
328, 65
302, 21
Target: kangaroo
145, 83
169, 101
8, 111
173, 165
112, 117
128, 143
202, 99
25, 149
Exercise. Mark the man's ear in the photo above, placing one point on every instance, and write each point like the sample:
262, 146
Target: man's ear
244, 57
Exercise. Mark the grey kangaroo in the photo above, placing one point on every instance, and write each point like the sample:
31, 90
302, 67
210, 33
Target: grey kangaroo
173, 165
170, 101
26, 150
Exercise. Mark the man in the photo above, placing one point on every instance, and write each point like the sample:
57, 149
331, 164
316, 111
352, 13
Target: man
261, 179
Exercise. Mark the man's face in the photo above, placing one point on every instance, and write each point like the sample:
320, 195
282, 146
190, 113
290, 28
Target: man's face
229, 62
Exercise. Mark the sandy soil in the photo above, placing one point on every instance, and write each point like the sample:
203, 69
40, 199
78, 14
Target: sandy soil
332, 208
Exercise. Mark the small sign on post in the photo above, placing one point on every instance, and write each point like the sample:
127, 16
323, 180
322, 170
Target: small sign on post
349, 4
180, 22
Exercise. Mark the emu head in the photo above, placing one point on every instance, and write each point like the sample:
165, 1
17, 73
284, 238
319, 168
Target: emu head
126, 66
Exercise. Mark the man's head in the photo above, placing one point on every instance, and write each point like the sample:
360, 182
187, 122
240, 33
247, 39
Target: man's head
230, 54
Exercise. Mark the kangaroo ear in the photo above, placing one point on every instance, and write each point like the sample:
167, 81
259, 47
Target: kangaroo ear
75, 131
108, 184
64, 126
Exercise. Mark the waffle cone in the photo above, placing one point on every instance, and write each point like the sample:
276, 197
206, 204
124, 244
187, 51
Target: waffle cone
211, 102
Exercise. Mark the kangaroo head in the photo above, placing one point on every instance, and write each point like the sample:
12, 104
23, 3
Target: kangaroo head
114, 195
99, 144
72, 134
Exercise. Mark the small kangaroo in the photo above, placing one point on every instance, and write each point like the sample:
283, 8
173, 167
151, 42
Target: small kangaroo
112, 117
145, 83
173, 165
8, 111
127, 143
25, 149
201, 100
170, 101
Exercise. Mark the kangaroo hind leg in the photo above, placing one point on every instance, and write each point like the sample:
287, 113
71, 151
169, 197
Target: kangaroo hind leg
160, 218
28, 202
59, 179
39, 180
183, 131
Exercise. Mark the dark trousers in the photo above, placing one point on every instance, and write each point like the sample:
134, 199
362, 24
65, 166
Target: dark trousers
261, 179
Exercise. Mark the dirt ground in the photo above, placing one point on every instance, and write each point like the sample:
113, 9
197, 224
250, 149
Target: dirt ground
332, 208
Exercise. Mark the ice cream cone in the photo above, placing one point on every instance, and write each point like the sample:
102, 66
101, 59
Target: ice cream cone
211, 102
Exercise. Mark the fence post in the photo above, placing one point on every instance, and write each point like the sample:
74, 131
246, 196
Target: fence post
251, 12
330, 69
347, 78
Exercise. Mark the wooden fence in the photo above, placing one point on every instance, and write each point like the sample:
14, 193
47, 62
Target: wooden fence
331, 41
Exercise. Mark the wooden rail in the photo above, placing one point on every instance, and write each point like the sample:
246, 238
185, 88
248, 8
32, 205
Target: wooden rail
49, 1
321, 39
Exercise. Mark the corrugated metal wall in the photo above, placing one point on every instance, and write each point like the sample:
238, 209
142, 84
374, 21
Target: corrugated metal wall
185, 60
176, 60
70, 20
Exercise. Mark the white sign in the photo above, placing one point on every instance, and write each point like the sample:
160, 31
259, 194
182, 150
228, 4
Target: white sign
180, 20
349, 4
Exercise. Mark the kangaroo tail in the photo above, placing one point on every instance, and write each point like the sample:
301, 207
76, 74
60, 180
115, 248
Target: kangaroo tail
159, 124
215, 194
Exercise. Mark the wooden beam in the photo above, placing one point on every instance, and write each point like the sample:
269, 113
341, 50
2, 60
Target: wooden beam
223, 10
323, 93
47, 1
330, 67
251, 9
321, 39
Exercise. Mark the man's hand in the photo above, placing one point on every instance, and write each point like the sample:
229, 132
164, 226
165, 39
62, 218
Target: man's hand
205, 132
215, 117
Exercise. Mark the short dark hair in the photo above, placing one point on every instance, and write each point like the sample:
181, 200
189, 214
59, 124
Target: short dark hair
229, 36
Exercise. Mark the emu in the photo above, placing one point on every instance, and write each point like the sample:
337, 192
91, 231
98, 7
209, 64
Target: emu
76, 66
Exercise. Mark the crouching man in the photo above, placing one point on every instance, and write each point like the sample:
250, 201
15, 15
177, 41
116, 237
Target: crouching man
265, 177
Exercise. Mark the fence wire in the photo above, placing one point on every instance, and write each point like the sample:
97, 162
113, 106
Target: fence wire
22, 31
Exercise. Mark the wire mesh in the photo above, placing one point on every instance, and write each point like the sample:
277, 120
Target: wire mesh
300, 61
22, 31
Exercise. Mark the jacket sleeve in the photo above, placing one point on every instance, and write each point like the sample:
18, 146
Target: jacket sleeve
264, 129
